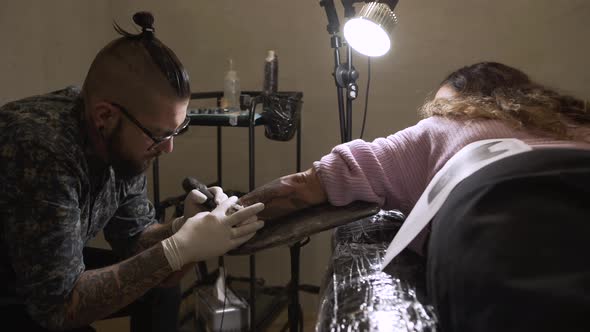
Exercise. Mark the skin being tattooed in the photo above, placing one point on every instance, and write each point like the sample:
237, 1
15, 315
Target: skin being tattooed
287, 194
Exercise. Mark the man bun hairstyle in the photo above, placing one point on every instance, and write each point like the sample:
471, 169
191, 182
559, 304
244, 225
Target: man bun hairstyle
145, 20
163, 57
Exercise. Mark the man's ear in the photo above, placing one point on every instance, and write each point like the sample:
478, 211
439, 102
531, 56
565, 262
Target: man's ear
105, 116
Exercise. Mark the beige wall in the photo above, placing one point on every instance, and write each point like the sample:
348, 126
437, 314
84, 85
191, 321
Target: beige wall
46, 45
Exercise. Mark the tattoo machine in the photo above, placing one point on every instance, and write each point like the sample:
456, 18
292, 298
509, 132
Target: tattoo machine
190, 183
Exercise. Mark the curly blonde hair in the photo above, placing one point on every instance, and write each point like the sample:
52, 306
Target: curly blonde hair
491, 90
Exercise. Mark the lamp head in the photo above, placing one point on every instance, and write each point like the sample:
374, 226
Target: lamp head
369, 32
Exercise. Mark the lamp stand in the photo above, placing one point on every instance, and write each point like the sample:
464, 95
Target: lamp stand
345, 75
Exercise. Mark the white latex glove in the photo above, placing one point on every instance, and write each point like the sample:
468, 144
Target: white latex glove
211, 234
218, 194
192, 205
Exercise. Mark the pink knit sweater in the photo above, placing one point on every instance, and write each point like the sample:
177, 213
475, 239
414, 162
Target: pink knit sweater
394, 171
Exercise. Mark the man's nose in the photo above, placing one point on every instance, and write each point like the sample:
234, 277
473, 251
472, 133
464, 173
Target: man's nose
167, 146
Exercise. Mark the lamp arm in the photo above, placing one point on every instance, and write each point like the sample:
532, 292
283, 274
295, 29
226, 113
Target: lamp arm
333, 26
351, 93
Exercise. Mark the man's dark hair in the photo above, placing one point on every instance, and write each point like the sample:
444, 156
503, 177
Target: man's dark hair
162, 56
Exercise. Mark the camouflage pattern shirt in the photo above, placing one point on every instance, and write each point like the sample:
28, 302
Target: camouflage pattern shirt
54, 197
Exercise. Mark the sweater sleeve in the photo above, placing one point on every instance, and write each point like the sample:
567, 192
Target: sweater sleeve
391, 172
394, 171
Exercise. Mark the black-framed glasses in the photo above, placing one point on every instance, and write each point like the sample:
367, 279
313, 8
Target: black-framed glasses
158, 140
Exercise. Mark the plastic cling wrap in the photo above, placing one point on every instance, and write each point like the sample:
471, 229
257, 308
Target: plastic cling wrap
357, 296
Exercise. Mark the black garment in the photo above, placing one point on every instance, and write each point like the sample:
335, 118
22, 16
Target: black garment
509, 248
156, 311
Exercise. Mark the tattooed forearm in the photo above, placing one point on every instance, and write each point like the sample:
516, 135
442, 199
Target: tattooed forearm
152, 235
286, 194
101, 292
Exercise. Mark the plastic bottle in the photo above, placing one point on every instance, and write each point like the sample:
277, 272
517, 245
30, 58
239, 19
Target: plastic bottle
271, 73
231, 88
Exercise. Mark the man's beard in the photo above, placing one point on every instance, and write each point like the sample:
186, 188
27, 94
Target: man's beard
123, 166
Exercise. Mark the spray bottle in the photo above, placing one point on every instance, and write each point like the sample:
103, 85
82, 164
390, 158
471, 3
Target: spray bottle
231, 88
271, 73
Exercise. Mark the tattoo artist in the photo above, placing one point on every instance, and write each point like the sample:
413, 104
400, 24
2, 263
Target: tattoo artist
72, 164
